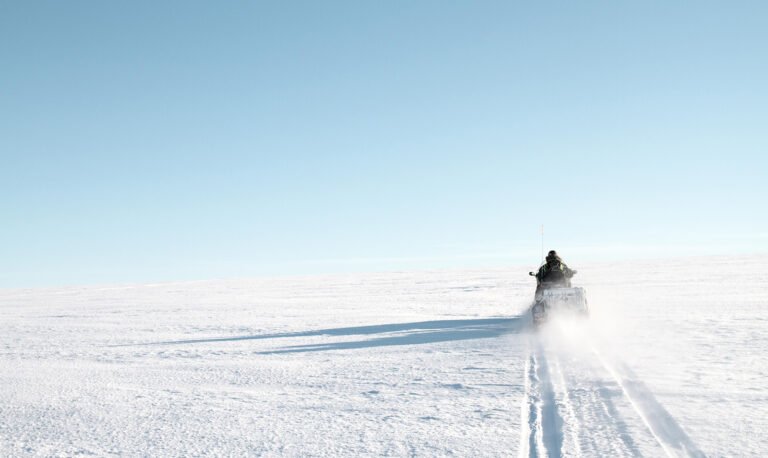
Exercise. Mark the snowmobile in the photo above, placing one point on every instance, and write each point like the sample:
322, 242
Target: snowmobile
557, 298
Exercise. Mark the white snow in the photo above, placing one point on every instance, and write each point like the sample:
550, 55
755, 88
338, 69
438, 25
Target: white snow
672, 362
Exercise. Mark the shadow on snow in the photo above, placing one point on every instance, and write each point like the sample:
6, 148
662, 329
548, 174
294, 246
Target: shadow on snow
416, 333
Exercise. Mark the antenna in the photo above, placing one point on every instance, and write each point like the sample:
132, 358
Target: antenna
542, 241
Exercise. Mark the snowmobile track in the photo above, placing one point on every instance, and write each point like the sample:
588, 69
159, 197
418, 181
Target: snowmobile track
570, 417
667, 432
543, 425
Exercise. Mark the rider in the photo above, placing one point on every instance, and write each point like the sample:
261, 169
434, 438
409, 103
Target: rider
554, 272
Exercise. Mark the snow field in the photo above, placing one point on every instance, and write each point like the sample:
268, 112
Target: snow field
672, 362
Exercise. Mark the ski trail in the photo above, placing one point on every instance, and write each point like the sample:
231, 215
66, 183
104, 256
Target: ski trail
593, 425
543, 434
527, 417
570, 419
551, 421
667, 432
531, 439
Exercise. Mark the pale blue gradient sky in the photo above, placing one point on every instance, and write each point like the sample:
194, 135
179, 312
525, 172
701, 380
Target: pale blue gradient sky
146, 141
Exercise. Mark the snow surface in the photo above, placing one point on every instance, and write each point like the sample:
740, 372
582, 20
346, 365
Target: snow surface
672, 362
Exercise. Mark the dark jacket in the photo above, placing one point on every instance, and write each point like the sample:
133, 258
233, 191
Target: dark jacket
555, 272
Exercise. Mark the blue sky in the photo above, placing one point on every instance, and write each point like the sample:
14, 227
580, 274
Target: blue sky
148, 141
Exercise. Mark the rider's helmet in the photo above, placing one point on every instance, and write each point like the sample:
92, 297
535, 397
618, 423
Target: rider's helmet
553, 257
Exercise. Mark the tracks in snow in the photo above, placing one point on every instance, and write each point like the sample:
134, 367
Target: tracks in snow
544, 422
667, 432
588, 404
